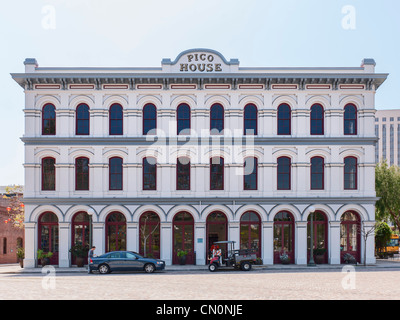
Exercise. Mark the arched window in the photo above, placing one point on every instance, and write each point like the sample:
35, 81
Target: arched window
49, 120
250, 232
284, 119
183, 237
350, 173
350, 237
80, 231
283, 173
250, 119
350, 119
217, 173
284, 241
116, 116
183, 119
149, 119
82, 119
317, 120
149, 174
115, 232
48, 174
82, 173
320, 237
48, 235
317, 173
115, 173
183, 173
250, 173
216, 119
149, 226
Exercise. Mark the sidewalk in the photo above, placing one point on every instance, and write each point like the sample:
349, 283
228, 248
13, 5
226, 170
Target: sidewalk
389, 264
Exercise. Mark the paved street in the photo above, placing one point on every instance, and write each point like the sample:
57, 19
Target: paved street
365, 283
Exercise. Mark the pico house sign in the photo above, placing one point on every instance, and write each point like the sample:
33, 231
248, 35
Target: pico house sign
200, 61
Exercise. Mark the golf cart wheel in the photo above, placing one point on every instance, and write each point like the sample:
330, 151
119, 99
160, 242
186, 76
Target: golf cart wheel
213, 267
245, 266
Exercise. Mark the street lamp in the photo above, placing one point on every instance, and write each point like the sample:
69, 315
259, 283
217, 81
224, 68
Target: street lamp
90, 212
311, 262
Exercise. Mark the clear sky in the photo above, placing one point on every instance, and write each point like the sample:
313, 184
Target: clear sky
276, 33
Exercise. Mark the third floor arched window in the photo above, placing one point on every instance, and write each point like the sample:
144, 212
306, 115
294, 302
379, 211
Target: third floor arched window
183, 119
49, 120
350, 119
284, 119
250, 119
82, 119
149, 119
317, 120
216, 119
116, 116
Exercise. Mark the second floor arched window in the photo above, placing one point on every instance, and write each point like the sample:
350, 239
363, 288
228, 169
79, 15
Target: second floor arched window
48, 174
49, 120
283, 173
317, 173
350, 173
82, 173
284, 119
82, 119
250, 173
317, 120
116, 116
115, 173
183, 173
217, 173
149, 173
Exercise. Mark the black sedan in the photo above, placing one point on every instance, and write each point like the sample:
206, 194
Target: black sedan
124, 261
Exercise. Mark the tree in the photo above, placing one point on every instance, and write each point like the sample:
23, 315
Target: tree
382, 237
145, 234
16, 208
366, 230
387, 185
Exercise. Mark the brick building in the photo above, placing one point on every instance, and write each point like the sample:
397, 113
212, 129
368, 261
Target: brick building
10, 238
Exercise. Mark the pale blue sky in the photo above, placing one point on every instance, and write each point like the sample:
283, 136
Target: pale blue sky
279, 33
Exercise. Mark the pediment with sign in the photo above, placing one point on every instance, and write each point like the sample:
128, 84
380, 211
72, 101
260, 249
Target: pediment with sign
202, 61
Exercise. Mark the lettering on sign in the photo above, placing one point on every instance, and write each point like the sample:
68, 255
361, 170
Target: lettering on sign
201, 62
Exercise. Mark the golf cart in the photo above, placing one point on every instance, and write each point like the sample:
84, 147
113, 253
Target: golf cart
236, 259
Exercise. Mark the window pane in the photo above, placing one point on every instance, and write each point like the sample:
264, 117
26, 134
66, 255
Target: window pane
284, 120
82, 173
216, 119
250, 120
149, 119
116, 120
217, 174
48, 120
250, 174
149, 174
283, 173
48, 174
183, 174
317, 119
183, 119
115, 174
82, 119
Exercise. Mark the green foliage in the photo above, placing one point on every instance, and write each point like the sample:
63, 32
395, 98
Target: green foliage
79, 251
382, 235
319, 251
387, 185
182, 253
20, 253
41, 254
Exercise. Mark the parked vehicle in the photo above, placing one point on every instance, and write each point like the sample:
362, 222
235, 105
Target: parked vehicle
392, 246
237, 259
124, 261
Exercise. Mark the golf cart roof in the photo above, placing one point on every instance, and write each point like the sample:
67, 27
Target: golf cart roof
219, 242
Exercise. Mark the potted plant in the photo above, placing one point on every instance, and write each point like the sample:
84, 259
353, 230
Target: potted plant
284, 257
182, 256
44, 257
21, 256
319, 255
80, 253
349, 259
259, 261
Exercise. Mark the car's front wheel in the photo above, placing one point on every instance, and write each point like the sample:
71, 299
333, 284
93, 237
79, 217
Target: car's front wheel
104, 269
149, 268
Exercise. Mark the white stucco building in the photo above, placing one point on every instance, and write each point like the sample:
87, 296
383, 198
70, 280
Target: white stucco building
106, 141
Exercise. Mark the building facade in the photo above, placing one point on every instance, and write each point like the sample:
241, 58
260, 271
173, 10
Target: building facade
387, 129
162, 159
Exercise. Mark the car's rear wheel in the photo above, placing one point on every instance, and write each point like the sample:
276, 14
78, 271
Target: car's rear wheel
245, 266
104, 269
213, 267
149, 268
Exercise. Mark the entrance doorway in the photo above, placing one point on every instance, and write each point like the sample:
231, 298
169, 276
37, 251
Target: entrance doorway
283, 236
217, 230
48, 235
350, 235
80, 232
183, 235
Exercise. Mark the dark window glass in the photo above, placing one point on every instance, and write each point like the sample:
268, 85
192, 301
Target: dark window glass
317, 119
48, 174
82, 174
217, 119
284, 167
183, 174
250, 119
284, 120
350, 173
250, 174
317, 173
217, 173
115, 173
49, 120
183, 119
82, 120
116, 120
149, 119
149, 174
350, 119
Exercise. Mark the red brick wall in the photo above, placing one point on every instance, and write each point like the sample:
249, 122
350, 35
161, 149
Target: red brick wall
10, 233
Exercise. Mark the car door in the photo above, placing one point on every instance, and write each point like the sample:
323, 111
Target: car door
132, 262
115, 261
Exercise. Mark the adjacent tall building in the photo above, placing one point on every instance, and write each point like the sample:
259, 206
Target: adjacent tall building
162, 159
387, 129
